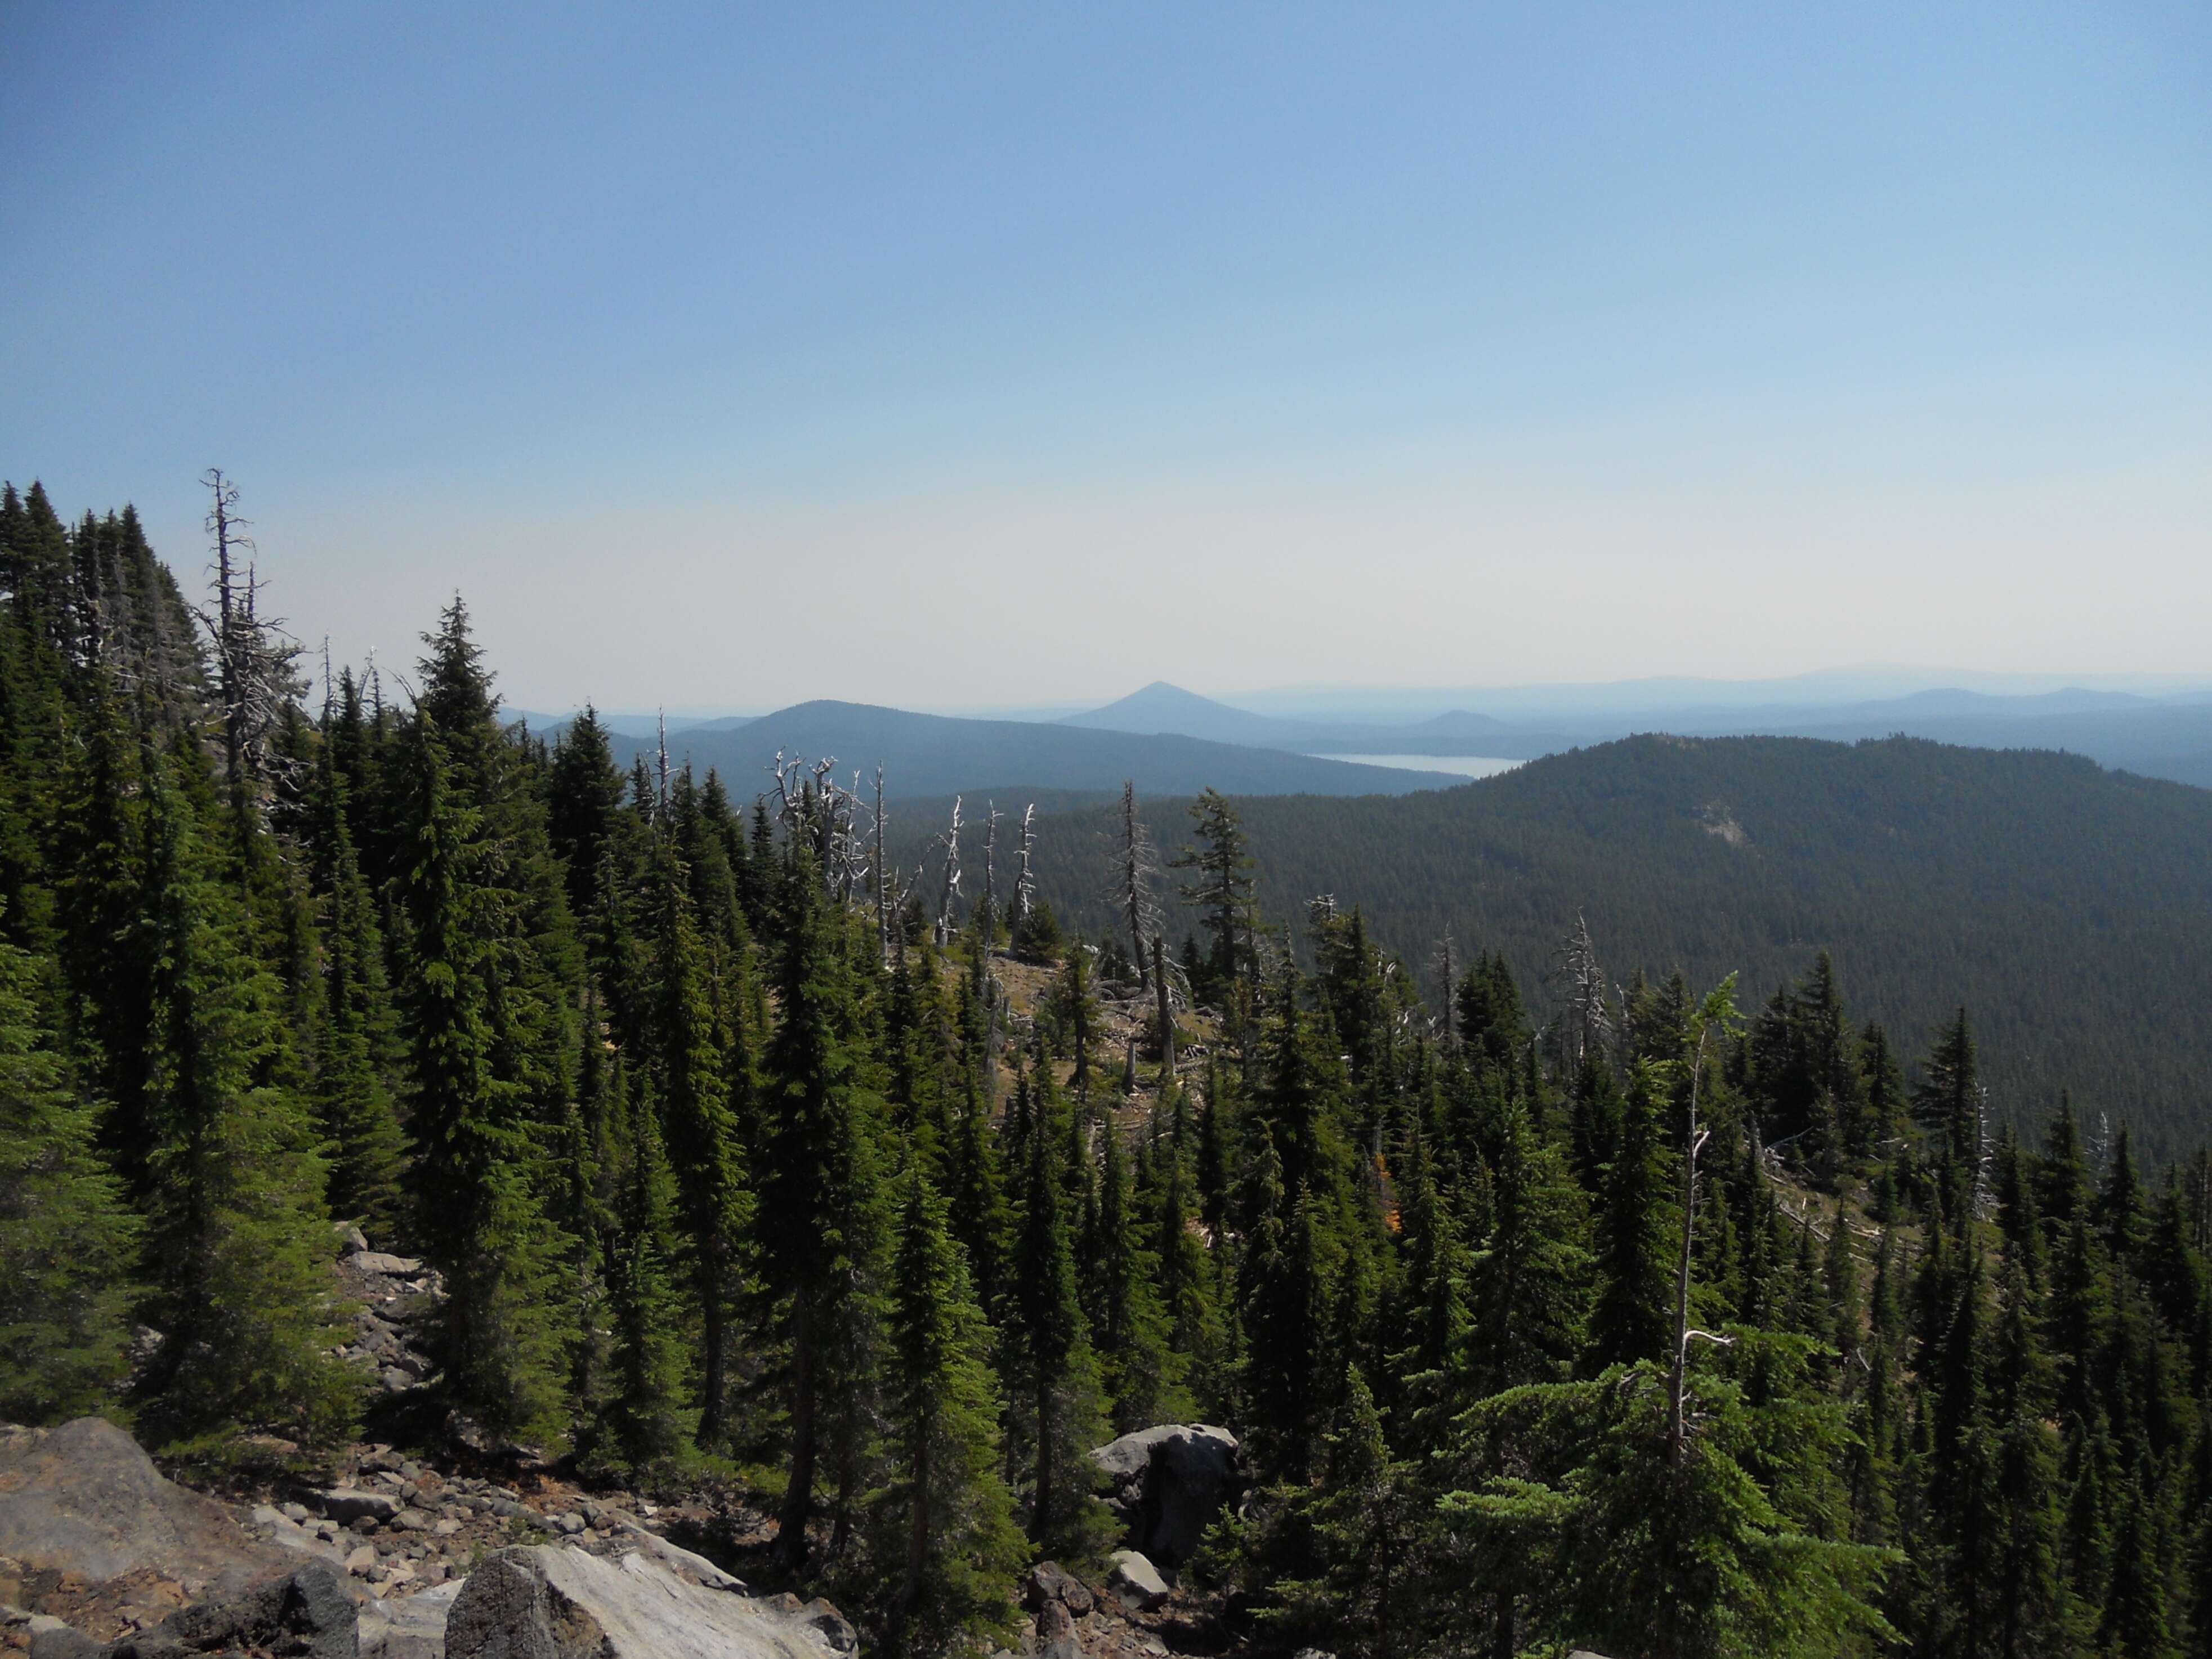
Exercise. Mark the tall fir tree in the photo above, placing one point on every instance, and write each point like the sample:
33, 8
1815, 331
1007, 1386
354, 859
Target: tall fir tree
945, 1513
239, 1240
67, 1243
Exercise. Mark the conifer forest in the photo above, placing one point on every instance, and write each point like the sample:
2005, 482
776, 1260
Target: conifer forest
1667, 1319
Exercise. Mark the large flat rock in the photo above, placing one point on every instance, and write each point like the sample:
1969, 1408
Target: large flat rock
551, 1601
82, 1498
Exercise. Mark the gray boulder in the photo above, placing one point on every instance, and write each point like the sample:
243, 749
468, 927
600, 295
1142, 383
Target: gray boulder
556, 1603
1135, 1582
82, 1498
1169, 1484
307, 1613
1048, 1582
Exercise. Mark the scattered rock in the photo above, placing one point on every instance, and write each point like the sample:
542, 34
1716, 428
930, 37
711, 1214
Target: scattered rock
557, 1603
1135, 1582
346, 1505
1050, 1581
82, 1498
376, 1261
281, 1530
351, 1238
1169, 1483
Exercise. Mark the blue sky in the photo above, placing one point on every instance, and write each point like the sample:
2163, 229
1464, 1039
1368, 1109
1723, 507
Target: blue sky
728, 357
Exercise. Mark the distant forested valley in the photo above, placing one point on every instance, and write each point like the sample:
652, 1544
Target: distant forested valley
2062, 906
1631, 1203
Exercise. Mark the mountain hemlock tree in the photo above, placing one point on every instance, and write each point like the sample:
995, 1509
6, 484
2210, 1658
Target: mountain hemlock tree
66, 1241
946, 1514
500, 1336
238, 1234
701, 1135
641, 1423
1050, 1363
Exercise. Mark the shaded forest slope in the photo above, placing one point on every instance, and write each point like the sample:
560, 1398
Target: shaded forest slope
2066, 907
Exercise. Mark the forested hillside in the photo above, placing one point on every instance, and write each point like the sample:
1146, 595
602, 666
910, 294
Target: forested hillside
1672, 1329
2064, 906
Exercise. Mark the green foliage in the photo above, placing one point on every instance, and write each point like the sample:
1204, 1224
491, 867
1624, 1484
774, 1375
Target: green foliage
1626, 1548
640, 1422
238, 1238
948, 1547
1057, 1411
478, 1213
66, 1241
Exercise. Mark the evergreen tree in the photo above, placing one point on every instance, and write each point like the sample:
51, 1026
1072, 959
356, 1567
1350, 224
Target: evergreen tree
641, 1423
1221, 887
66, 1240
477, 1210
1531, 1279
1632, 1317
819, 1197
945, 1513
1139, 1371
239, 1237
1283, 1303
366, 1145
1050, 1364
701, 1134
1364, 1522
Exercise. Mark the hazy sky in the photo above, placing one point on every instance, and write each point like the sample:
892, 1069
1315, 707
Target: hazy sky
949, 355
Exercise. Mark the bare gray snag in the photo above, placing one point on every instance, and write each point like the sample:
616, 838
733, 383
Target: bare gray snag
1446, 963
950, 840
1166, 1010
1717, 1010
882, 878
1136, 867
1024, 883
256, 660
1590, 1017
990, 865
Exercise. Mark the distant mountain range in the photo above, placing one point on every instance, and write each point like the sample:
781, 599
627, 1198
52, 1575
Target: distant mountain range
2167, 736
935, 755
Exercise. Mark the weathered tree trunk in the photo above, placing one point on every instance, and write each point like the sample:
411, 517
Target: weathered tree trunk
1166, 1011
917, 1530
1677, 1378
882, 879
712, 1321
799, 1495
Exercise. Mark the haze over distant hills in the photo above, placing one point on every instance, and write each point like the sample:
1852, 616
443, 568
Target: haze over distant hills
932, 755
2153, 728
2168, 736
